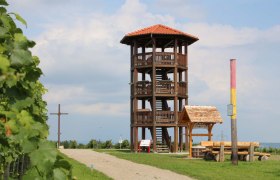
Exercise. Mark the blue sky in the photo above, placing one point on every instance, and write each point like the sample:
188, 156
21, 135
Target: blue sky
86, 69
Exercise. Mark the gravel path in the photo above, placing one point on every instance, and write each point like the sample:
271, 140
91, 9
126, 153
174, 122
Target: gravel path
120, 169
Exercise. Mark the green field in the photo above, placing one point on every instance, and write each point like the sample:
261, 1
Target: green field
201, 169
82, 172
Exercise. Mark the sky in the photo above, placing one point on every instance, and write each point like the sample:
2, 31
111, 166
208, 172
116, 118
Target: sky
86, 69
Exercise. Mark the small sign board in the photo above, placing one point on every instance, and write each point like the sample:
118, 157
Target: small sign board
145, 143
120, 140
230, 110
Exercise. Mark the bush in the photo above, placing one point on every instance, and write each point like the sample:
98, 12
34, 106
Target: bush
81, 146
73, 144
107, 144
65, 144
124, 145
93, 144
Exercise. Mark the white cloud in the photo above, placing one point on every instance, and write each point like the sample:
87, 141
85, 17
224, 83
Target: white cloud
222, 36
187, 9
67, 93
100, 109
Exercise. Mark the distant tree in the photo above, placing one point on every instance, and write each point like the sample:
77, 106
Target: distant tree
93, 144
125, 144
81, 146
117, 146
107, 144
65, 144
73, 144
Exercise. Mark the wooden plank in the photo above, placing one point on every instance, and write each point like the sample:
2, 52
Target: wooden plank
201, 134
261, 154
229, 152
228, 144
206, 143
239, 153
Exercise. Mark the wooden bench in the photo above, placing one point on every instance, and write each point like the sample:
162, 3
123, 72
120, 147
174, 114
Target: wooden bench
246, 150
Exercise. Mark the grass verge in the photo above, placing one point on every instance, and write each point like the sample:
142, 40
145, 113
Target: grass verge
82, 172
201, 169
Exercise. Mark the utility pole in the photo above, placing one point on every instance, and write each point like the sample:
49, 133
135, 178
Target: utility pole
234, 149
58, 124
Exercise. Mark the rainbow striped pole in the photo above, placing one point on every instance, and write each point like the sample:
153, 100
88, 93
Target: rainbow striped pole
234, 149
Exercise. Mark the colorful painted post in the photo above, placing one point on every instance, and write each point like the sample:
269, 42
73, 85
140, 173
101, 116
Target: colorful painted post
233, 116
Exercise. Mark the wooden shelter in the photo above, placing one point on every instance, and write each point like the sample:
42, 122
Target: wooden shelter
158, 84
199, 117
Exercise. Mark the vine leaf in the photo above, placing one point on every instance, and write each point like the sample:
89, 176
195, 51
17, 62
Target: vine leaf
4, 65
20, 19
44, 157
3, 2
59, 174
28, 146
21, 57
21, 104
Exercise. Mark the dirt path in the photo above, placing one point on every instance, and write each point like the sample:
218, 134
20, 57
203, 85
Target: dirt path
120, 169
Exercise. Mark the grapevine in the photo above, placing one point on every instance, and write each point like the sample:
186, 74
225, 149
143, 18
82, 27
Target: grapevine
23, 112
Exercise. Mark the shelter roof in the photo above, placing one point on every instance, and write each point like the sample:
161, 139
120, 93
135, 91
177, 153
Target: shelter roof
201, 114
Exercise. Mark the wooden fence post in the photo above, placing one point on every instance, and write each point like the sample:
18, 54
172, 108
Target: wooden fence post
251, 152
6, 171
222, 152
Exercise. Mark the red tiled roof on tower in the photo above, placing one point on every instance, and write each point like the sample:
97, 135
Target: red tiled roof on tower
159, 29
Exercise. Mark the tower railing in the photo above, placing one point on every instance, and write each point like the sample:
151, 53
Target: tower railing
165, 117
143, 88
165, 87
182, 89
162, 58
182, 60
162, 87
144, 116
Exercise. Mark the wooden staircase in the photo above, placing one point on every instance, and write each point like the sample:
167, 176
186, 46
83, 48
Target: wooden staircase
161, 144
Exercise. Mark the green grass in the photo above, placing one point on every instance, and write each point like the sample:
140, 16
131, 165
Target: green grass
201, 169
82, 172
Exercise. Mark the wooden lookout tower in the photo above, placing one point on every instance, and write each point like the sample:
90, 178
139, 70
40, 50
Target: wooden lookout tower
159, 84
